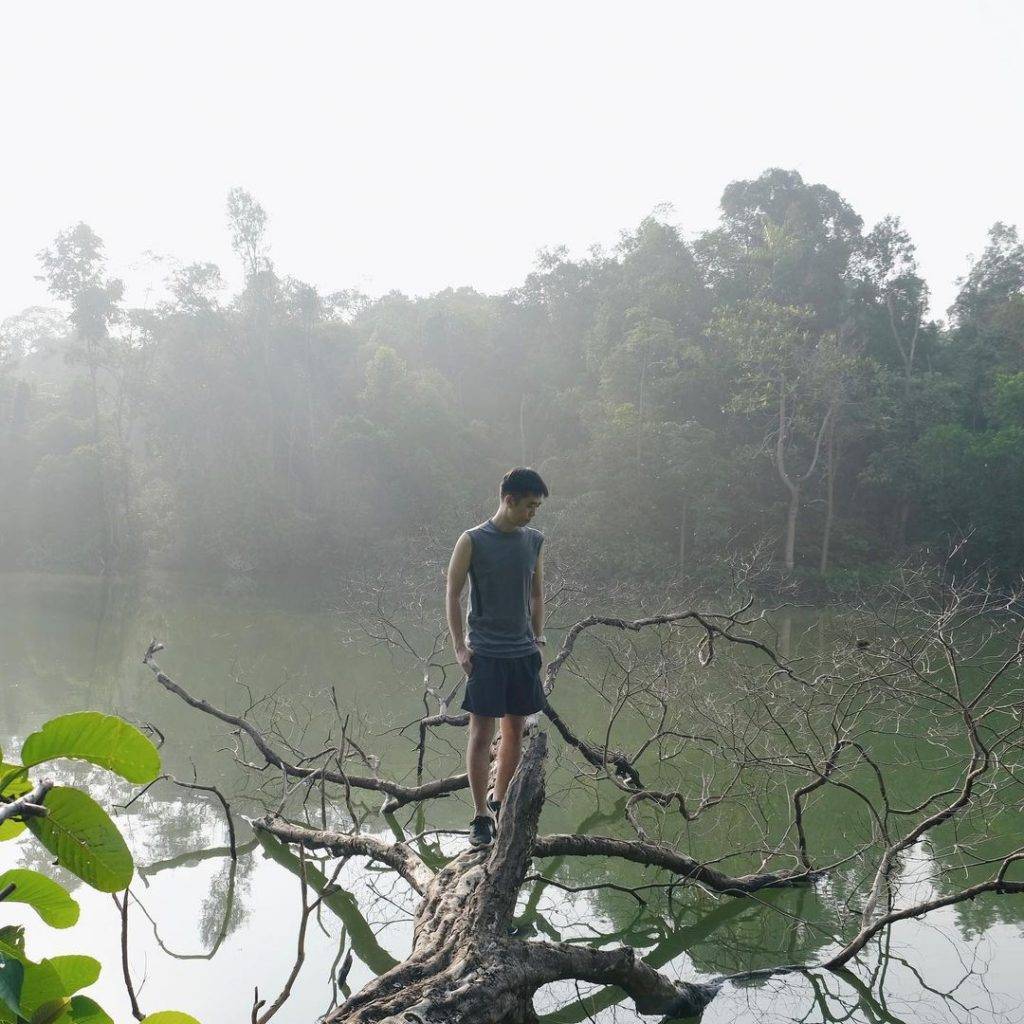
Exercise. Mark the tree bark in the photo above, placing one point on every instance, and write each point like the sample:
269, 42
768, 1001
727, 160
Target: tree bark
794, 484
464, 968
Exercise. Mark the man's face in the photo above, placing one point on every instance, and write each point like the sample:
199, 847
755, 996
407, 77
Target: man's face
523, 508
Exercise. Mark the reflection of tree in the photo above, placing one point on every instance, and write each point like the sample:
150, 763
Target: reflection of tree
222, 910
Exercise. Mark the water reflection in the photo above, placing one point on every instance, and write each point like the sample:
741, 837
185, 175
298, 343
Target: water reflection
220, 912
73, 643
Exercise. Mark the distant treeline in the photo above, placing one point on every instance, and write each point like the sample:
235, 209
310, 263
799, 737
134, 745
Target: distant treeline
777, 379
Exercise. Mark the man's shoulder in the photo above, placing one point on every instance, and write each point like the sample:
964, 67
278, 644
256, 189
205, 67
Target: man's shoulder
535, 535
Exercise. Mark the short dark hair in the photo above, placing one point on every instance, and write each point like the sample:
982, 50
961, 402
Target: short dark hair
522, 481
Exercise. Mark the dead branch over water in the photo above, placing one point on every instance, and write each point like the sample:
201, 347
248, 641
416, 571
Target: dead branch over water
932, 672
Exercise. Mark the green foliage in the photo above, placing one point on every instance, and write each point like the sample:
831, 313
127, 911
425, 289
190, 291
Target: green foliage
103, 740
39, 992
84, 839
650, 385
51, 901
1008, 399
12, 978
82, 1010
51, 981
168, 1017
87, 843
13, 783
973, 486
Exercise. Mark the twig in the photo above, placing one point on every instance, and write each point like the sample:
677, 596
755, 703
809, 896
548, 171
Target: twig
122, 906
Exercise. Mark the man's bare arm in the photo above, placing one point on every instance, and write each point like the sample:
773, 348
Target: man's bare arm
458, 570
537, 596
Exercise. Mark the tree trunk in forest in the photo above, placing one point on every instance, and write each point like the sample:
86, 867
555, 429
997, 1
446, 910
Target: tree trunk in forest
830, 497
794, 484
794, 511
522, 427
106, 511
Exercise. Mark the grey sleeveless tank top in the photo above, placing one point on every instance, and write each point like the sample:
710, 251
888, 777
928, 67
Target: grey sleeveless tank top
500, 577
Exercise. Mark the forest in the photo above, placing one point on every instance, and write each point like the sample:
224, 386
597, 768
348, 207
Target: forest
777, 383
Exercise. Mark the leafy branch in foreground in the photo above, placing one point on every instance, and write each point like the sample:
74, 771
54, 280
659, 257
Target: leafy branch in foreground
86, 842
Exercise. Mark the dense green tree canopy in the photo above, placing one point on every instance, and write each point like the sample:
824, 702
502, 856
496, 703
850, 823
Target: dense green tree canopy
775, 379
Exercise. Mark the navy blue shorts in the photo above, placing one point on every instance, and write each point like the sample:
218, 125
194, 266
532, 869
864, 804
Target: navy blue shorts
504, 686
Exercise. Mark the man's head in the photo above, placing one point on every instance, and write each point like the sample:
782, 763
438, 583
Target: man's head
522, 492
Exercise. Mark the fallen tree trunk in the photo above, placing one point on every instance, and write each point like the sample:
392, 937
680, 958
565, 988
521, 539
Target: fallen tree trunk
464, 968
404, 861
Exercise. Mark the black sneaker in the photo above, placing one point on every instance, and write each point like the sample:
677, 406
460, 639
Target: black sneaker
481, 830
494, 806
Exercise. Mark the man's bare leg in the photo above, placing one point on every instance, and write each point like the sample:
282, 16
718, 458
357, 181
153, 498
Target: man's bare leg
510, 749
478, 758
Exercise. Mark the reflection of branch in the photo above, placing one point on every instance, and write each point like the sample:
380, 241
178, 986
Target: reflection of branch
191, 857
629, 890
997, 885
229, 902
676, 942
300, 953
362, 938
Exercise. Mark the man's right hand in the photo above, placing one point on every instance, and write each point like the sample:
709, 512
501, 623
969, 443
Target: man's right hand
464, 656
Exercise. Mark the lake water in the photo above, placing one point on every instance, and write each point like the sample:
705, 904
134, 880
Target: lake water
205, 932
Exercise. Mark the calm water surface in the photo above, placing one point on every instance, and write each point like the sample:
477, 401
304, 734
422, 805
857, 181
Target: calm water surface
205, 933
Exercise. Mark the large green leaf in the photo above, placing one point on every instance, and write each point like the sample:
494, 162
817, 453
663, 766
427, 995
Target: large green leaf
83, 1010
168, 1017
13, 780
75, 971
51, 901
12, 941
12, 974
11, 829
105, 740
42, 991
49, 983
84, 840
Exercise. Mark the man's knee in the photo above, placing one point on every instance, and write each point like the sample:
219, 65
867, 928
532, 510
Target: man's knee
481, 732
512, 727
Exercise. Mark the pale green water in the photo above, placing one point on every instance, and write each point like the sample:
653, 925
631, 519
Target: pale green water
70, 643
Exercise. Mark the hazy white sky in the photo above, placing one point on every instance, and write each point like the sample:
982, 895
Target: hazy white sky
416, 146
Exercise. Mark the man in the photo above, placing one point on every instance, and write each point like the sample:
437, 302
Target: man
502, 658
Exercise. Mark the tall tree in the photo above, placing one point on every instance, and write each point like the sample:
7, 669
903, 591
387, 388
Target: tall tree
75, 271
